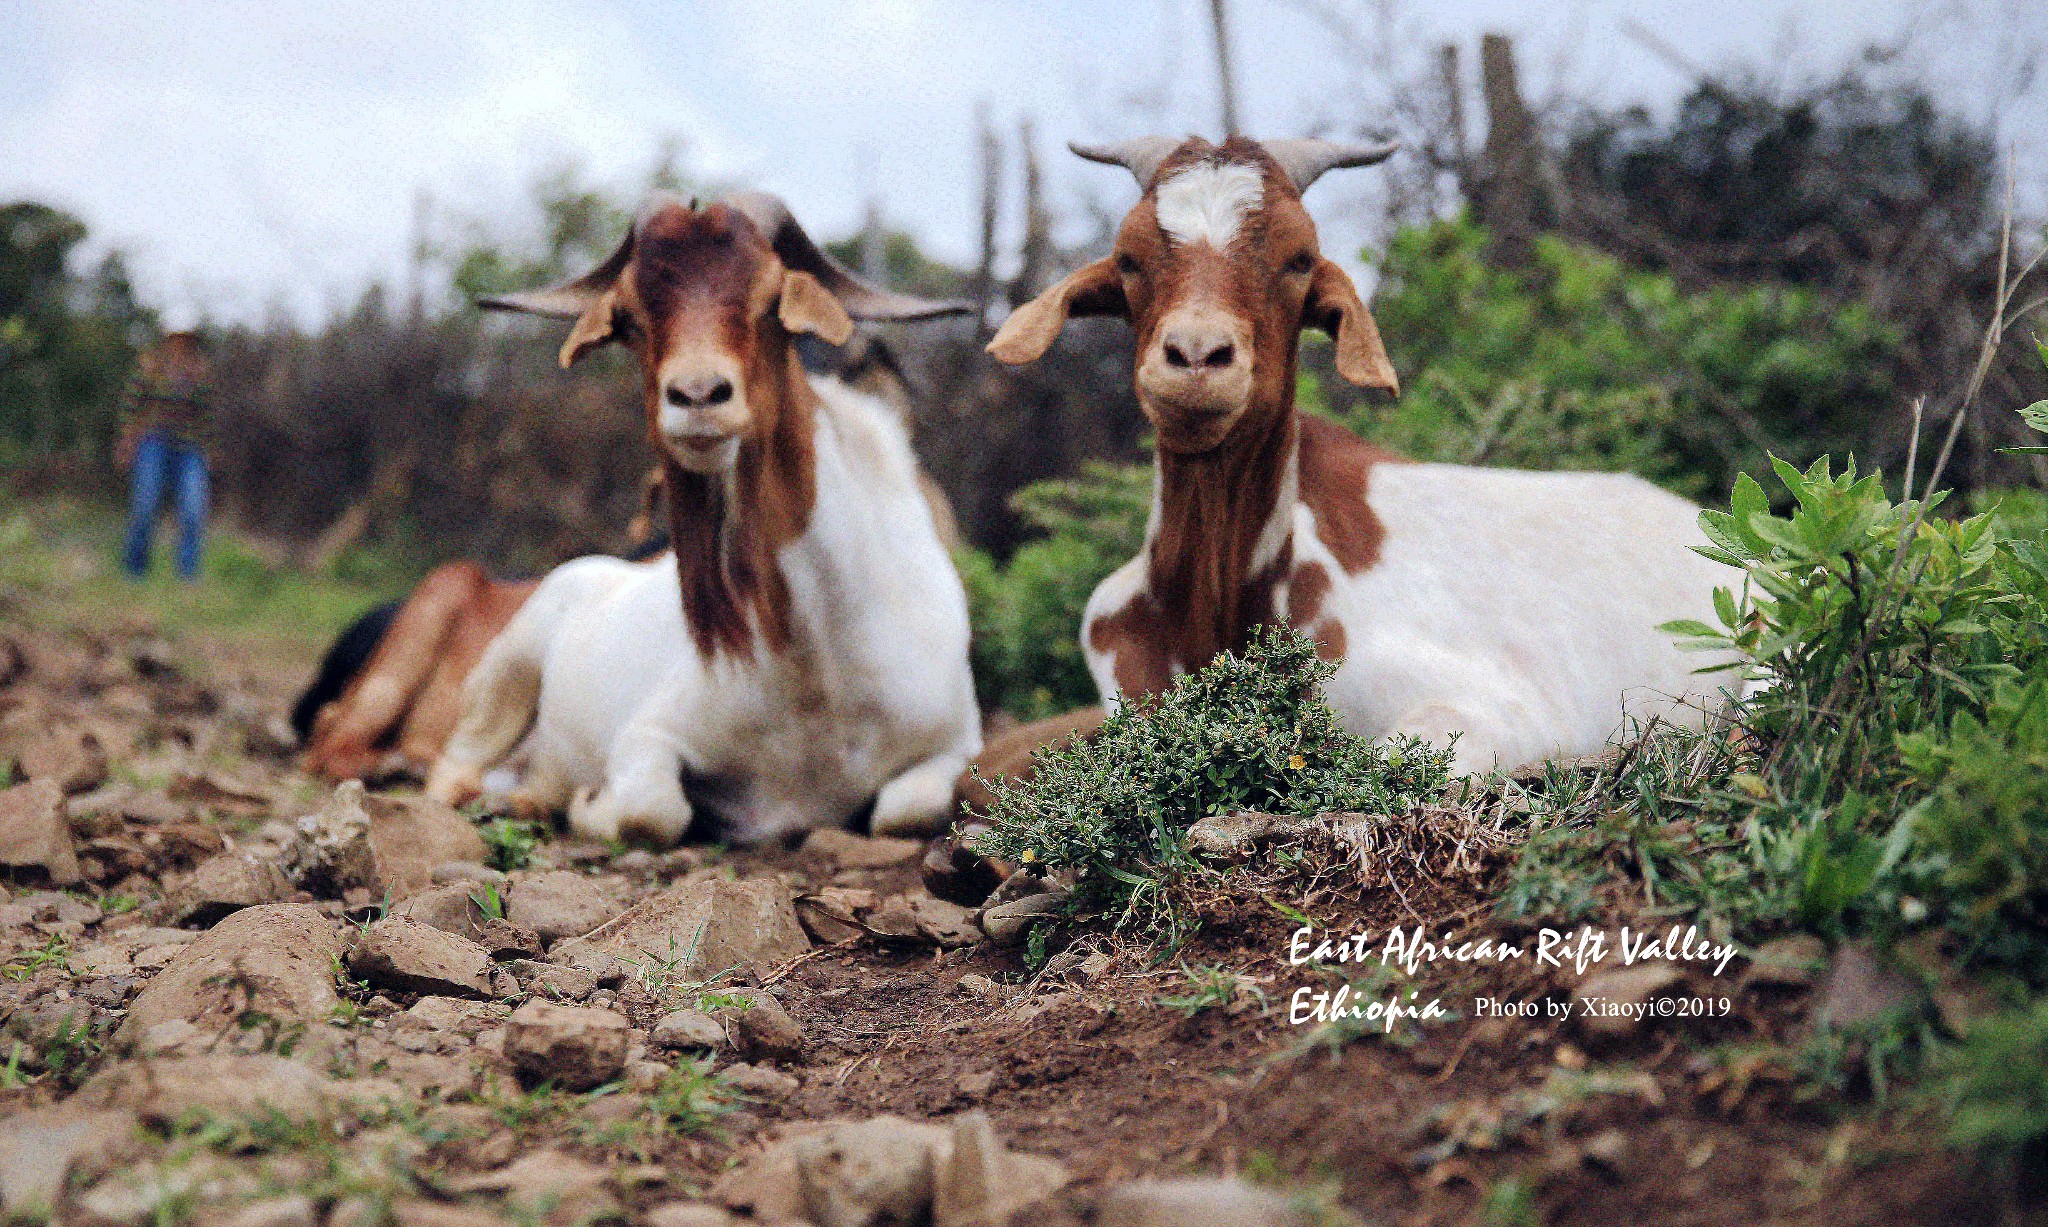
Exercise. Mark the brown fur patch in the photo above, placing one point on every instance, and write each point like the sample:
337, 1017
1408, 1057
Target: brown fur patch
1010, 755
1336, 473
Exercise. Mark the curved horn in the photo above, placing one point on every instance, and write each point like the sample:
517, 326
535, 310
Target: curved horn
1306, 158
572, 298
1141, 156
795, 249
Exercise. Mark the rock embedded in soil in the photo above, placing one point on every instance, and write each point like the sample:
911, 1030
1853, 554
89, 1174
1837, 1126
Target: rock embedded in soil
275, 959
1007, 923
688, 1029
761, 1028
689, 1214
1197, 1203
451, 909
551, 981
952, 870
760, 1082
384, 845
163, 1091
704, 925
296, 1210
39, 1150
832, 915
943, 923
70, 758
401, 953
1861, 989
226, 884
558, 904
505, 940
573, 1047
34, 833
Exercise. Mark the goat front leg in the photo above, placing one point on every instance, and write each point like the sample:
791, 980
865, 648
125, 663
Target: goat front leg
919, 801
642, 799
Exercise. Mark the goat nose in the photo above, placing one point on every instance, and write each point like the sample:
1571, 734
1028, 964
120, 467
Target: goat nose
697, 391
1189, 348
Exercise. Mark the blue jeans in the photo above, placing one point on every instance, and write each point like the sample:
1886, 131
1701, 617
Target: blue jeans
164, 463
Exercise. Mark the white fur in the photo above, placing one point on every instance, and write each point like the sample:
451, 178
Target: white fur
1517, 610
1209, 201
872, 699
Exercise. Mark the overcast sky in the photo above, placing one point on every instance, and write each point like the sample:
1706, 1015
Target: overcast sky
257, 154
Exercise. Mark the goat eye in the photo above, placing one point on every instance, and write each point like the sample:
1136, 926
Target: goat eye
1302, 263
1126, 264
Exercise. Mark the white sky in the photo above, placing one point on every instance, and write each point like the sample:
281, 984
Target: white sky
250, 154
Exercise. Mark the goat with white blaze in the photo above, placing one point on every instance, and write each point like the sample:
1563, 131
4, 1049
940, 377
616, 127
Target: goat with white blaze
804, 651
1517, 611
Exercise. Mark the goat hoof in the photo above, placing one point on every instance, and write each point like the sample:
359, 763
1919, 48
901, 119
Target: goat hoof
955, 872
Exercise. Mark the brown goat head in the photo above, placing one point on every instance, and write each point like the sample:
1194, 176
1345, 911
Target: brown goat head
708, 300
1217, 268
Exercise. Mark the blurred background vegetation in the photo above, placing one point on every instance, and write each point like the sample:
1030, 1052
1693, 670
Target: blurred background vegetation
1765, 272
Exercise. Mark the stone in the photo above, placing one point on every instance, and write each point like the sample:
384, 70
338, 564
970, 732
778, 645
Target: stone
546, 1182
878, 1171
761, 1028
832, 915
1787, 962
246, 1087
1197, 1202
1607, 1153
277, 959
759, 1081
449, 873
850, 851
224, 884
688, 1029
412, 1212
465, 1018
572, 1047
70, 758
893, 921
34, 833
974, 984
954, 871
383, 844
505, 940
296, 1210
943, 923
39, 1150
702, 926
401, 953
1860, 989
980, 1183
558, 904
689, 1214
552, 981
1618, 998
450, 908
1007, 923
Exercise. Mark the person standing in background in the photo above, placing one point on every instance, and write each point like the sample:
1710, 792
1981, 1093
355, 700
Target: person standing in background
163, 443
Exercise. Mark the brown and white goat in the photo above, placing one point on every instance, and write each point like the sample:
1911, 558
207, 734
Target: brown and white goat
1516, 611
804, 652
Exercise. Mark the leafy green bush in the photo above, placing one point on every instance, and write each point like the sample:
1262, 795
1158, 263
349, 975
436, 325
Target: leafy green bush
1027, 614
1582, 362
1250, 732
1997, 1098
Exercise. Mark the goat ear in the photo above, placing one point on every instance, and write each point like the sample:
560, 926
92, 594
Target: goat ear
1093, 289
1334, 307
807, 306
594, 329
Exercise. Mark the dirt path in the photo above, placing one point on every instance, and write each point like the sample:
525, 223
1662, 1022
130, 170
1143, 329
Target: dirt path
1116, 1063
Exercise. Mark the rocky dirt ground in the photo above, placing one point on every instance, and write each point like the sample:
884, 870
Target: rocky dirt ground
231, 995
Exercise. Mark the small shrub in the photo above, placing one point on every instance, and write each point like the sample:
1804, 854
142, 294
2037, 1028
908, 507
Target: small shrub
1249, 732
1997, 1099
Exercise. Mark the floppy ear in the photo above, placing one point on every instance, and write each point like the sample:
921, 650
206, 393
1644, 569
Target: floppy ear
589, 300
1094, 289
807, 306
594, 328
1334, 307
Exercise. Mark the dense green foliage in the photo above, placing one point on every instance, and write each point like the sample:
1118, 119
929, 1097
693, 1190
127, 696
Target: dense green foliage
1250, 732
1581, 362
67, 342
1026, 613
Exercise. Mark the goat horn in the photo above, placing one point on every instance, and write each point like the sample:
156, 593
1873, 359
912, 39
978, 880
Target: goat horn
1306, 158
796, 250
572, 298
1141, 156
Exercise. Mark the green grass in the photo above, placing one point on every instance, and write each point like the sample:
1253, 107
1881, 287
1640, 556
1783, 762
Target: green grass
68, 553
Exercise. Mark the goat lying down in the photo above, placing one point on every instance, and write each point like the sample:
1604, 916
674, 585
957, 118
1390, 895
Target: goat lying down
804, 652
1515, 611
